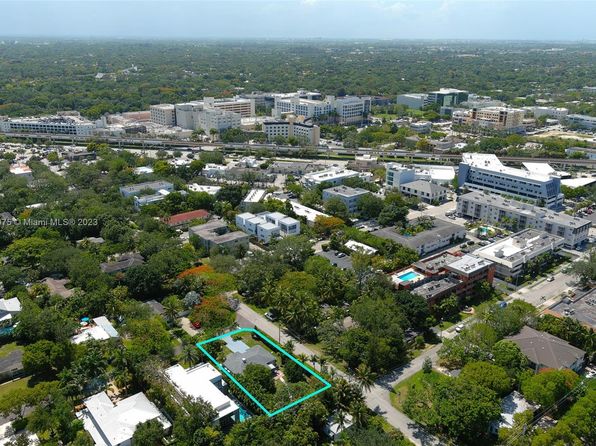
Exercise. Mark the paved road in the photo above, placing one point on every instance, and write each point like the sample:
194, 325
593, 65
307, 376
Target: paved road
377, 398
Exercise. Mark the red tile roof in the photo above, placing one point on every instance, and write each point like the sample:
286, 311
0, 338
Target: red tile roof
184, 217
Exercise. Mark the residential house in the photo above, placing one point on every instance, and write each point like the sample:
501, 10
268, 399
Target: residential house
122, 263
237, 362
98, 329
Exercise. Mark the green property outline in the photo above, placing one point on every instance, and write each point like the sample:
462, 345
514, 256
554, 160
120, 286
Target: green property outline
235, 381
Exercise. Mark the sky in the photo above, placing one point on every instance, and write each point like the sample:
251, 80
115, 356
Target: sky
551, 20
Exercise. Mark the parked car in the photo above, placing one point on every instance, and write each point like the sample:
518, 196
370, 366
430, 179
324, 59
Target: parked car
551, 279
459, 328
271, 315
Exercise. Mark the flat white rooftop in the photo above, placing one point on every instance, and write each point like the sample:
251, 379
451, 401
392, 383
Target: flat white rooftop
490, 163
199, 382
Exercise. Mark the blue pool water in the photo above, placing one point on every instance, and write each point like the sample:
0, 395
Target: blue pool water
243, 414
408, 276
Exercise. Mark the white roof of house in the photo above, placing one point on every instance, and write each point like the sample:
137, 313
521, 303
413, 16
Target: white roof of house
12, 305
111, 425
101, 331
361, 247
212, 190
512, 404
304, 211
199, 382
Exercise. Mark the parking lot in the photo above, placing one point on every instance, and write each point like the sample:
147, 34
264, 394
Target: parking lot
583, 309
341, 261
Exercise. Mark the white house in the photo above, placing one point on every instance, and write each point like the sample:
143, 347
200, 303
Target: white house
100, 329
112, 424
8, 308
267, 225
205, 382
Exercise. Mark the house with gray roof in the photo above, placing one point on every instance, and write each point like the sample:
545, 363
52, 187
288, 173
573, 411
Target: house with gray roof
237, 362
544, 350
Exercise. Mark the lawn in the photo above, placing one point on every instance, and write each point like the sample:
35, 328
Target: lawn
7, 349
14, 385
400, 391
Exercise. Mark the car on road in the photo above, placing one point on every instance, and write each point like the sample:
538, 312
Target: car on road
551, 279
272, 315
459, 328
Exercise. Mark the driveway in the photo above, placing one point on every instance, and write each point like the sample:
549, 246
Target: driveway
377, 398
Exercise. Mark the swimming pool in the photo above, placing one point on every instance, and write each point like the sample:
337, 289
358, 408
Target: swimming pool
408, 276
243, 414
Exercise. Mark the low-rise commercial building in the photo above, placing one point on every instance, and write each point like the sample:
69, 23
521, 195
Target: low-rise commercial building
512, 254
442, 234
254, 196
581, 121
421, 127
134, 190
515, 215
22, 171
425, 191
332, 176
217, 234
309, 214
114, 424
350, 196
558, 113
586, 152
399, 174
481, 171
446, 97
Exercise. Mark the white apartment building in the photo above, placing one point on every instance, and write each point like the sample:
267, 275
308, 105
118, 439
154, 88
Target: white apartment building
163, 114
511, 254
309, 133
559, 113
583, 121
494, 209
267, 225
60, 125
332, 176
350, 196
500, 119
483, 171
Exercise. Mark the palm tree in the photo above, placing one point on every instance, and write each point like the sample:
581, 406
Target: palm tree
172, 307
322, 362
365, 377
360, 414
190, 354
314, 359
289, 347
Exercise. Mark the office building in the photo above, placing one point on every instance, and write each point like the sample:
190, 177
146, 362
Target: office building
267, 225
425, 191
581, 121
485, 172
446, 97
349, 109
163, 114
498, 119
244, 107
217, 234
203, 382
412, 100
114, 424
494, 209
60, 125
512, 254
333, 176
421, 127
292, 128
558, 113
213, 118
350, 196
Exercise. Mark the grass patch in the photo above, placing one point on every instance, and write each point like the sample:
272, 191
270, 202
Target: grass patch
400, 391
8, 387
7, 349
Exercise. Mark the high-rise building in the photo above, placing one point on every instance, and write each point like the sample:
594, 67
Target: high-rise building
482, 171
348, 109
500, 119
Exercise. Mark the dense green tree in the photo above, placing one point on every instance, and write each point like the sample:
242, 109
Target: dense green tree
148, 433
487, 375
